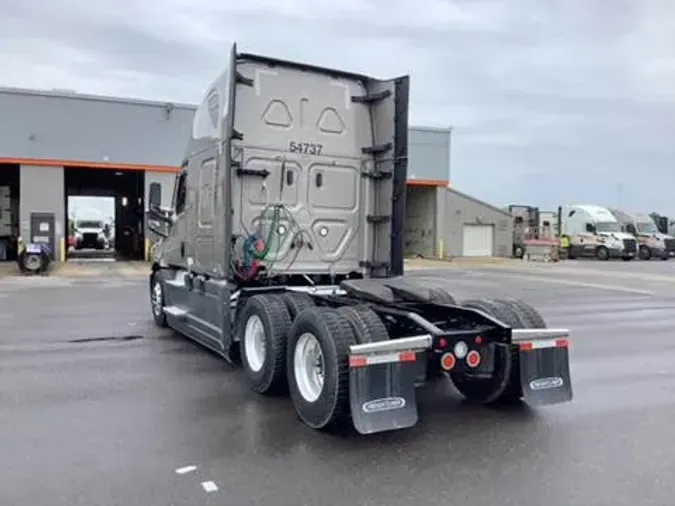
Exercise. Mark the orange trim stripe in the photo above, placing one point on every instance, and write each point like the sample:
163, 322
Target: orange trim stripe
46, 162
427, 182
41, 162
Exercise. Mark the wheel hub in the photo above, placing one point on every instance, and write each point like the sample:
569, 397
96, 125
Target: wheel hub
33, 262
309, 367
254, 343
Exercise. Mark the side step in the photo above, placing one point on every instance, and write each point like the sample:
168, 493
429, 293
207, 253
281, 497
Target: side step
176, 312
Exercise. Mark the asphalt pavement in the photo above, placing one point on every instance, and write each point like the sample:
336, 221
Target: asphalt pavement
99, 407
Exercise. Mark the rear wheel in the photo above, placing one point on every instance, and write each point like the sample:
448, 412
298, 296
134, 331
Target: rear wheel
296, 302
318, 367
504, 384
367, 326
262, 329
644, 253
498, 386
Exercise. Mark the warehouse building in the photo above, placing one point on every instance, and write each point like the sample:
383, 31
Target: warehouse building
56, 144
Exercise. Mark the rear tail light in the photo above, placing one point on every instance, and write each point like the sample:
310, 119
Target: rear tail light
448, 361
473, 359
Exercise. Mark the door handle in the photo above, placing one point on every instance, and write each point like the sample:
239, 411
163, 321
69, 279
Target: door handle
182, 249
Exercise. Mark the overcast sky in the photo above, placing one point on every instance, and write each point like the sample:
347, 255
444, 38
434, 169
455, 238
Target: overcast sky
551, 101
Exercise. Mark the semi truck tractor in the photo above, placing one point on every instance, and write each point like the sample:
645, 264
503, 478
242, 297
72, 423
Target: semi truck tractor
651, 242
593, 231
283, 252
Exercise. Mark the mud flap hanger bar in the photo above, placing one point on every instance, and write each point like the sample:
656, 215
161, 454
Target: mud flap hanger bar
425, 341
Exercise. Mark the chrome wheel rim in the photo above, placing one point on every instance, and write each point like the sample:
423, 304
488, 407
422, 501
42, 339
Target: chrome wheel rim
254, 343
157, 298
309, 367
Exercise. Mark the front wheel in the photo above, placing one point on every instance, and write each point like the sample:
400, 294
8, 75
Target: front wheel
602, 253
644, 253
157, 299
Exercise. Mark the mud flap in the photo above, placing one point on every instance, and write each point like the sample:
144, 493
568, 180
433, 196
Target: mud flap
382, 396
545, 372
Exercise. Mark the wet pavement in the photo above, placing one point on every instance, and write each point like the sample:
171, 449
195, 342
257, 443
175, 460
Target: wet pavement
98, 407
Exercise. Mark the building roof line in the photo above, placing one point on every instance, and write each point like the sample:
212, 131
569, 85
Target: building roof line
73, 95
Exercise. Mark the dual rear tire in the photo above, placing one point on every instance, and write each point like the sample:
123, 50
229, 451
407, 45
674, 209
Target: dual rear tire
504, 385
288, 344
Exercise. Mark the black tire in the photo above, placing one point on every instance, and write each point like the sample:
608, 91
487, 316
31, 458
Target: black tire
602, 253
665, 257
438, 294
334, 334
518, 252
529, 317
645, 253
269, 376
367, 326
296, 302
157, 298
504, 384
33, 263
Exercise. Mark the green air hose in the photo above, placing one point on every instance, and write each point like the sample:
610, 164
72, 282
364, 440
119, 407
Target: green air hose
268, 241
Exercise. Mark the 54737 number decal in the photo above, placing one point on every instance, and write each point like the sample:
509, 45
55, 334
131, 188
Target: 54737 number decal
305, 148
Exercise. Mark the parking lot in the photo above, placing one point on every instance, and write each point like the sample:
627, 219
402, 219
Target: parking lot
99, 407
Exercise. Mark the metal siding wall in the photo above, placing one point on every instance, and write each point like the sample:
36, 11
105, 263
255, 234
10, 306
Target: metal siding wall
42, 191
460, 210
43, 125
419, 232
70, 128
429, 154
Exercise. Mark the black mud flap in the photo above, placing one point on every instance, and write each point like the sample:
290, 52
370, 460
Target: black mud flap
382, 396
545, 374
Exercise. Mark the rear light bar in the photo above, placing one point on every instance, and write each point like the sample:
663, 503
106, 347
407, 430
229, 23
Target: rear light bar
538, 345
382, 358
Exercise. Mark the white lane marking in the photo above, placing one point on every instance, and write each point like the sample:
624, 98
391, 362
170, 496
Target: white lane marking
209, 486
186, 469
611, 288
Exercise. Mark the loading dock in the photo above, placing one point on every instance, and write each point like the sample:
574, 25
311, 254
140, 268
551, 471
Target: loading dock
9, 211
478, 240
126, 187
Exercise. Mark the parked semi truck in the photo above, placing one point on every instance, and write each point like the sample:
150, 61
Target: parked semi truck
593, 231
284, 250
651, 242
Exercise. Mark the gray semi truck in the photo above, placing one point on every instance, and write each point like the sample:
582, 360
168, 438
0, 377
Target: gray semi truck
283, 251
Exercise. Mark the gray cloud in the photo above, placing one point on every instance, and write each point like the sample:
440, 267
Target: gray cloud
551, 102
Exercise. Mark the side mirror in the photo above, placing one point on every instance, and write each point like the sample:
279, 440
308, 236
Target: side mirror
155, 197
631, 229
590, 228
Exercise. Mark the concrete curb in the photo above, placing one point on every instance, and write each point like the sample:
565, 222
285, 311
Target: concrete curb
417, 264
78, 270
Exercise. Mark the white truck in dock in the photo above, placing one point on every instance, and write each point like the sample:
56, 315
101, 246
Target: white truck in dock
594, 232
283, 251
